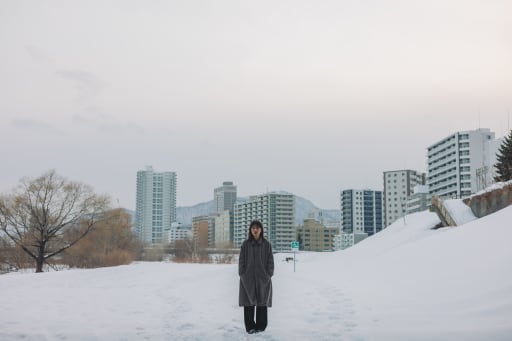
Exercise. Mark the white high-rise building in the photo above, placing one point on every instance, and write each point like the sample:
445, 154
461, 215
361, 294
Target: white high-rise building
276, 211
398, 188
361, 211
156, 205
361, 216
453, 163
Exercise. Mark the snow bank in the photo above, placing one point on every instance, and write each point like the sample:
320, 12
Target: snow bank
459, 211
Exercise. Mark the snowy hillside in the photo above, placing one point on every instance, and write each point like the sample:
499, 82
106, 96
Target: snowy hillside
408, 282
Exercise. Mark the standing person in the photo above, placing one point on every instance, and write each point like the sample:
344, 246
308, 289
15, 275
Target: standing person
255, 268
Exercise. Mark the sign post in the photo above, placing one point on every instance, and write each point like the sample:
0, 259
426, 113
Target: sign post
295, 247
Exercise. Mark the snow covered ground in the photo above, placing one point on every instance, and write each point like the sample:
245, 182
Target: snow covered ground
406, 283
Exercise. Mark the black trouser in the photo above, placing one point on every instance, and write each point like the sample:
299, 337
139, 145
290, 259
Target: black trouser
261, 318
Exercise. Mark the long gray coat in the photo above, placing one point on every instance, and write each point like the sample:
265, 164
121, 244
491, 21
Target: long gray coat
255, 268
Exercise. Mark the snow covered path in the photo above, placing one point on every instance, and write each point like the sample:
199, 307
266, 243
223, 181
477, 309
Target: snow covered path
166, 301
308, 307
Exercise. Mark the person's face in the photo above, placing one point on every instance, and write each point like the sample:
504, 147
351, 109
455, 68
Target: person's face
256, 231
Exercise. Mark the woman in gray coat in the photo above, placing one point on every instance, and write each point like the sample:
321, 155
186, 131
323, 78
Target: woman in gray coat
255, 268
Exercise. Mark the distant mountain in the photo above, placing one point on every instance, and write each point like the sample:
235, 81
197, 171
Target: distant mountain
184, 214
306, 209
303, 209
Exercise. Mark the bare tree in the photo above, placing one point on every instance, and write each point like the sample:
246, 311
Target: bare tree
183, 250
111, 243
12, 257
39, 212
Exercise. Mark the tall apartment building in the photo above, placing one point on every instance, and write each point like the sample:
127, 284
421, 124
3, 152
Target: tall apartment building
276, 211
398, 188
316, 236
156, 205
453, 162
223, 222
224, 198
361, 211
203, 231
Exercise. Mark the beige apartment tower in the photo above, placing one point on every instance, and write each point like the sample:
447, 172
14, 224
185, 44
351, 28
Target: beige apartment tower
316, 237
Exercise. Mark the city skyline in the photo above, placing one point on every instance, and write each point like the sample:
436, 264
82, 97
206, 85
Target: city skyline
301, 96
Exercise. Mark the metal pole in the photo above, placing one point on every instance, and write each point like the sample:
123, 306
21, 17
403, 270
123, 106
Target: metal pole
293, 260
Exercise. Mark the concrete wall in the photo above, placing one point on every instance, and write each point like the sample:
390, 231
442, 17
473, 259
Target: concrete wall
490, 202
443, 214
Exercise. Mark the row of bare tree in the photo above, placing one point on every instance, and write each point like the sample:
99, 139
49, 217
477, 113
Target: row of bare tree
51, 221
185, 251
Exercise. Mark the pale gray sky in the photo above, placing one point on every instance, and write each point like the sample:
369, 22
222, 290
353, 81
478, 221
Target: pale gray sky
310, 97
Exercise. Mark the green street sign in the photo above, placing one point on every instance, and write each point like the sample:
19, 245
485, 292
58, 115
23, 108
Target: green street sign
295, 245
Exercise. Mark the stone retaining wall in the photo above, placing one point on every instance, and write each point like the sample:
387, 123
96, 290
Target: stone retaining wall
490, 202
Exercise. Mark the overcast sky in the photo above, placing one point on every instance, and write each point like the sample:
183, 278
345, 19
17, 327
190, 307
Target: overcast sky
309, 97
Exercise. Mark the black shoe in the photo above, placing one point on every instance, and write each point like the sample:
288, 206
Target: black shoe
252, 331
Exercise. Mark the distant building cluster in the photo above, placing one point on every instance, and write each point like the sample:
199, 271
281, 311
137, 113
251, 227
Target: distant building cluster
458, 165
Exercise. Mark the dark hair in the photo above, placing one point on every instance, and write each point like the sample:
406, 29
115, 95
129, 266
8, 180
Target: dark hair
260, 225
